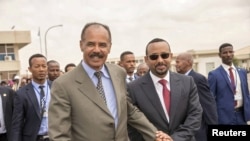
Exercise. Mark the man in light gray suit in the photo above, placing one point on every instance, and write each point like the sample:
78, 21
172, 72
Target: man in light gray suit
90, 102
172, 106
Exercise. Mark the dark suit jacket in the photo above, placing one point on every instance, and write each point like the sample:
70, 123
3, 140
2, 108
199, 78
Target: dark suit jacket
78, 113
224, 96
185, 108
207, 100
26, 115
7, 95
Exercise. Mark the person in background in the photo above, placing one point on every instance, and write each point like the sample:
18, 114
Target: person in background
184, 63
69, 67
53, 70
4, 83
169, 100
90, 102
142, 69
127, 61
30, 114
6, 109
16, 83
229, 85
61, 72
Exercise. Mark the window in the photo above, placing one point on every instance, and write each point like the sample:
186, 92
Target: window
7, 52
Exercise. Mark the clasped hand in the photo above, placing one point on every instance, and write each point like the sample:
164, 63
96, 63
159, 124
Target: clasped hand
161, 136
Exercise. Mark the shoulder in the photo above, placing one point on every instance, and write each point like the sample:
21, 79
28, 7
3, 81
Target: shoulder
112, 68
197, 75
241, 69
179, 76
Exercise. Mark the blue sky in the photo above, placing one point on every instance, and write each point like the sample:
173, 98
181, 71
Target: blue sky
185, 24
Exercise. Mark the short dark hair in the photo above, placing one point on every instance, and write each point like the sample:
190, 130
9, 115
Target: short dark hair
52, 61
224, 45
35, 56
154, 41
125, 53
69, 65
98, 24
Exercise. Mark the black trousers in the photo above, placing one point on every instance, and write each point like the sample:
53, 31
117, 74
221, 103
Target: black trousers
3, 137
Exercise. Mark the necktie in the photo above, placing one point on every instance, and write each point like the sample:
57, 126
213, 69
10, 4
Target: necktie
99, 86
232, 83
166, 94
232, 78
42, 99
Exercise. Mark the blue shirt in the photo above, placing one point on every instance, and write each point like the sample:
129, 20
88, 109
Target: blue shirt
107, 86
44, 125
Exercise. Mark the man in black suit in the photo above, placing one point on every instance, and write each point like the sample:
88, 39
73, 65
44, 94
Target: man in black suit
30, 115
6, 108
184, 64
127, 61
169, 100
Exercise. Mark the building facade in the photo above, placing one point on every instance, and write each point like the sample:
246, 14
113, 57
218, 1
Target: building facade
204, 60
10, 43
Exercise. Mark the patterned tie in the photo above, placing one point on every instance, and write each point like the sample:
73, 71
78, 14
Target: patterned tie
42, 99
232, 83
130, 79
166, 94
99, 86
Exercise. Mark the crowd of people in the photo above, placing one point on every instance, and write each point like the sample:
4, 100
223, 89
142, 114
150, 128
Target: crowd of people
96, 101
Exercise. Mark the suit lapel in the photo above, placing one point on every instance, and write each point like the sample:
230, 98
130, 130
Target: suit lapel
150, 92
86, 87
32, 96
226, 77
175, 94
118, 86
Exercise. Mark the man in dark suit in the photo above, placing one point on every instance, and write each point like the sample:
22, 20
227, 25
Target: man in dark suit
172, 106
30, 115
53, 70
90, 103
229, 85
127, 61
6, 109
184, 64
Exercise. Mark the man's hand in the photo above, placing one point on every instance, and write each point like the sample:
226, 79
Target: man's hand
161, 136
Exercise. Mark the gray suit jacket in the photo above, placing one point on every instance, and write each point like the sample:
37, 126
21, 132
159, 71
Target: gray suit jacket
77, 112
185, 108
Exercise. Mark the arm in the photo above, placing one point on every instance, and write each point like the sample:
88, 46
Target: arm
137, 120
17, 118
207, 101
59, 114
212, 83
188, 128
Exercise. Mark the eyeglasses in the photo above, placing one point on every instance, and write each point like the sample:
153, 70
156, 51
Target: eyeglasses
155, 56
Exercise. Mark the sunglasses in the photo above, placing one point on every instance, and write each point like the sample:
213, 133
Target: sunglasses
155, 56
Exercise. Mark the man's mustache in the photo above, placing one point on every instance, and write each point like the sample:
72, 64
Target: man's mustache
99, 55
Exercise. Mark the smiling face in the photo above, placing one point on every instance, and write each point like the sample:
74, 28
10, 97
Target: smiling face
95, 45
158, 66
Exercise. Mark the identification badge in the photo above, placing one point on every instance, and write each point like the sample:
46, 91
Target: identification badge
237, 97
45, 114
